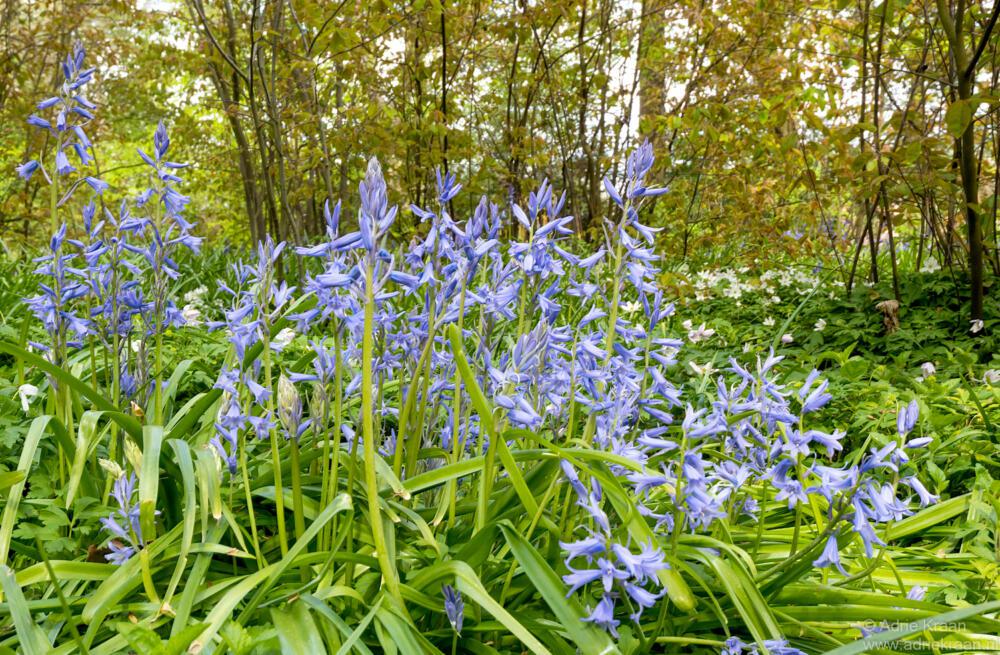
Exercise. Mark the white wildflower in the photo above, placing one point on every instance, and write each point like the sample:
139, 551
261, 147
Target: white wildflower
283, 338
191, 315
195, 296
26, 392
820, 325
769, 321
705, 370
977, 326
991, 376
928, 369
699, 334
787, 338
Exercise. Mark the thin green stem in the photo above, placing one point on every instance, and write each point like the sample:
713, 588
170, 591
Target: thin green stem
368, 433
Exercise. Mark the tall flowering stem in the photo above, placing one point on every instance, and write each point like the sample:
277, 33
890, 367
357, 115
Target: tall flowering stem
374, 221
267, 256
368, 434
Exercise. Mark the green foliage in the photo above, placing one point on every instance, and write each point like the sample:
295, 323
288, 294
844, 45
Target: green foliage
206, 587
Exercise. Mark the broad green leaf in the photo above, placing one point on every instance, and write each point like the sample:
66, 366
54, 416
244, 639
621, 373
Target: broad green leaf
469, 584
588, 639
916, 627
297, 631
959, 116
32, 639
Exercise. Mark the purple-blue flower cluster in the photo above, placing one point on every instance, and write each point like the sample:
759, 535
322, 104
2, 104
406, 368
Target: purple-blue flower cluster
68, 113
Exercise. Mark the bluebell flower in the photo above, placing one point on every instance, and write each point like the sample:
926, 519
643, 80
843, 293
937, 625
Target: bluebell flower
27, 169
123, 522
907, 417
38, 122
830, 556
603, 615
454, 607
814, 398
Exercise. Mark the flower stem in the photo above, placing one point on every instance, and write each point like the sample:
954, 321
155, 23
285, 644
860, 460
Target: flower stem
279, 490
368, 435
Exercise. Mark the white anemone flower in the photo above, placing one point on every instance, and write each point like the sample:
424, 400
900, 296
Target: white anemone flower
283, 338
27, 393
191, 315
705, 370
700, 333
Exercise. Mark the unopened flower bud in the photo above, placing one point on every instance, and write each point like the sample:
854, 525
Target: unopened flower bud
319, 404
113, 468
289, 405
133, 454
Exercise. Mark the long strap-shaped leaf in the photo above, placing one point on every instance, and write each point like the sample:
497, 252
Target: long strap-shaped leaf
28, 448
128, 423
341, 503
87, 436
297, 632
486, 421
186, 465
267, 576
33, 640
149, 478
469, 584
588, 639
65, 571
871, 644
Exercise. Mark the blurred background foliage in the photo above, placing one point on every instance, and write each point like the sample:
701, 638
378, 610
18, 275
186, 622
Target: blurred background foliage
801, 128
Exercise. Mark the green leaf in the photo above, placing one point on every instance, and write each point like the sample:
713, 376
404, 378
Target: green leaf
128, 423
889, 637
296, 630
126, 578
485, 412
149, 478
179, 643
10, 478
958, 117
928, 517
28, 448
143, 640
32, 639
550, 587
469, 584
86, 440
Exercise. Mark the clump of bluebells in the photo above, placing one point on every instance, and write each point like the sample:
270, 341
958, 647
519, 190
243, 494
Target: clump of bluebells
104, 284
123, 523
614, 565
573, 347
